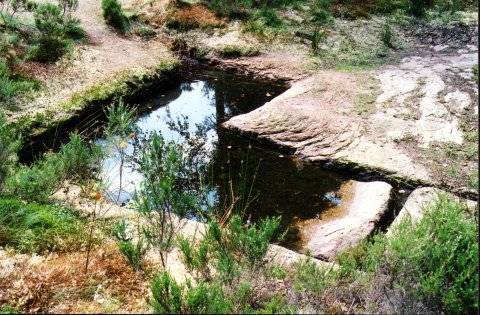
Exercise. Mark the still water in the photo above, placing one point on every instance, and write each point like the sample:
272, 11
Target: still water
270, 183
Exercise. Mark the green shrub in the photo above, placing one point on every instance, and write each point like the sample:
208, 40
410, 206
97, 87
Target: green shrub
49, 49
252, 241
52, 42
419, 7
276, 305
9, 146
31, 227
320, 12
11, 85
207, 298
166, 294
133, 251
37, 182
170, 297
264, 23
386, 36
235, 51
73, 30
310, 277
433, 261
114, 16
277, 272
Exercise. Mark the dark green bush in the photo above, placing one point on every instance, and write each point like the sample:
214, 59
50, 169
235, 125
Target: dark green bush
114, 16
233, 51
386, 36
31, 227
53, 42
419, 7
170, 297
73, 29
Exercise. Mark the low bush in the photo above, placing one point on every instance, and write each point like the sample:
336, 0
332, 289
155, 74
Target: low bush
235, 51
430, 265
132, 250
264, 23
386, 36
12, 85
219, 259
55, 29
37, 182
114, 15
9, 146
31, 227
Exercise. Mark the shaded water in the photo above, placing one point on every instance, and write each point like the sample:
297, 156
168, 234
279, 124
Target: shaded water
261, 182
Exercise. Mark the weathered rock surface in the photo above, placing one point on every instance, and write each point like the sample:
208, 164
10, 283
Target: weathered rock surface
314, 119
369, 203
423, 102
424, 96
281, 256
419, 199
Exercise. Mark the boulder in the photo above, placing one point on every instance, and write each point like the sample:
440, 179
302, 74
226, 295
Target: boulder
419, 199
368, 205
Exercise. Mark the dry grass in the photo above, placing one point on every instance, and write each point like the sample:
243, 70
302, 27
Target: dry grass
188, 17
58, 284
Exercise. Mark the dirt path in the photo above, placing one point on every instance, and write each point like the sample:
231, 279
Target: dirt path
106, 55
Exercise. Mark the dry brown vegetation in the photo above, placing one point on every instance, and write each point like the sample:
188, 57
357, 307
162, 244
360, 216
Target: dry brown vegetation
58, 283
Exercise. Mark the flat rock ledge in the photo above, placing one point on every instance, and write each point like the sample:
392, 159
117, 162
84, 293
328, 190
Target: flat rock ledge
419, 199
314, 120
370, 202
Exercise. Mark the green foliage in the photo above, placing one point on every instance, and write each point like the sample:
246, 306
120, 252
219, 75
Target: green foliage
31, 227
114, 15
166, 294
252, 241
276, 272
265, 23
132, 250
55, 31
276, 305
49, 48
235, 51
230, 8
310, 277
9, 146
433, 261
386, 36
37, 182
170, 297
195, 258
8, 309
73, 29
320, 13
165, 194
419, 7
12, 85
121, 120
207, 298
